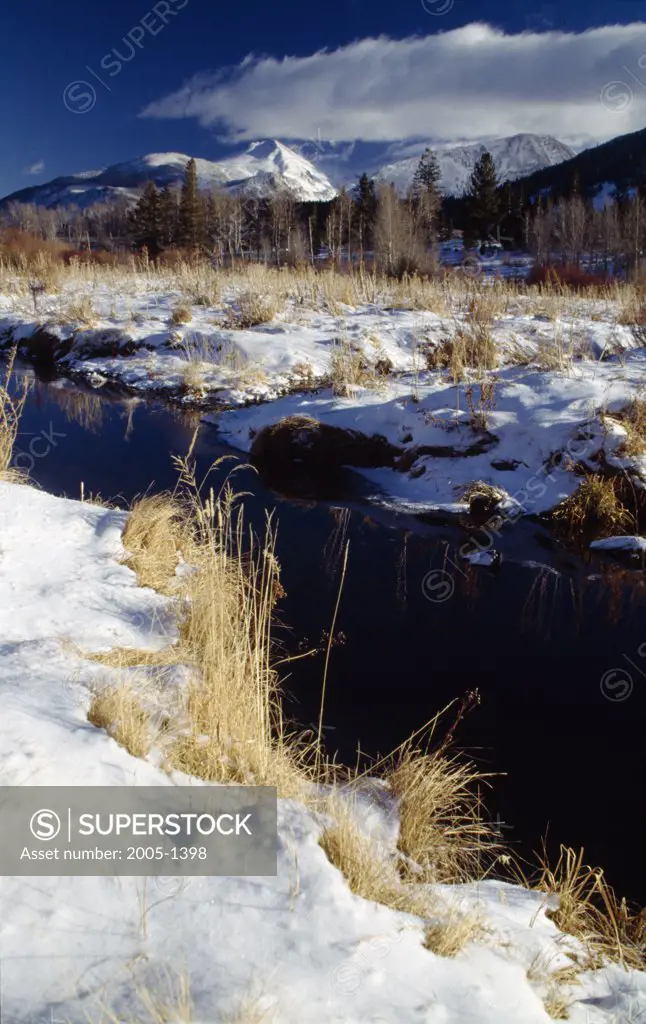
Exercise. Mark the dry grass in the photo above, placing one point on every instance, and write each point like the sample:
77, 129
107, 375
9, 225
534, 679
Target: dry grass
155, 535
237, 733
554, 355
255, 308
595, 509
163, 1000
224, 600
349, 369
198, 282
371, 872
441, 827
253, 1009
193, 381
589, 910
482, 498
480, 403
265, 290
475, 346
557, 1004
182, 314
631, 299
11, 407
374, 873
118, 711
471, 347
449, 936
81, 311
633, 418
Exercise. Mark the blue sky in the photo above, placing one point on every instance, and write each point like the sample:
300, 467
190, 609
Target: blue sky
442, 84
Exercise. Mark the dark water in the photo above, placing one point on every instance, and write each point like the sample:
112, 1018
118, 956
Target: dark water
540, 644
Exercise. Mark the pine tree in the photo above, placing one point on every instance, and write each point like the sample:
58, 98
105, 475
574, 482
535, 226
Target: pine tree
483, 199
366, 203
190, 209
168, 215
424, 194
426, 180
145, 223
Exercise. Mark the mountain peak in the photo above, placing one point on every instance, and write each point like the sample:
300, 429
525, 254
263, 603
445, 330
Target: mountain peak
265, 167
514, 156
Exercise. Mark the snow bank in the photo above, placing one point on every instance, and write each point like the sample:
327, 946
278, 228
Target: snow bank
300, 948
540, 426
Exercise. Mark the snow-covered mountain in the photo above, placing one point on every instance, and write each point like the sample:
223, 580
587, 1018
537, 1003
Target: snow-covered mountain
514, 157
262, 169
309, 171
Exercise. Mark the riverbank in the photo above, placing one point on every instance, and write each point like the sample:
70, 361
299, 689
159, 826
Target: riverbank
301, 947
469, 382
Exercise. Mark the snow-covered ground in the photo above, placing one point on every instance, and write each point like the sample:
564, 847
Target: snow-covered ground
561, 367
294, 949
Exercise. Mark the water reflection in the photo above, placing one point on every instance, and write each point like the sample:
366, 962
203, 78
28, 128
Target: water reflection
535, 633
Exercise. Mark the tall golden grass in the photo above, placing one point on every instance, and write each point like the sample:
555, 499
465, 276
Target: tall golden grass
11, 406
266, 290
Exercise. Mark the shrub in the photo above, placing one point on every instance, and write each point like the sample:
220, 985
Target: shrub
568, 276
255, 309
22, 249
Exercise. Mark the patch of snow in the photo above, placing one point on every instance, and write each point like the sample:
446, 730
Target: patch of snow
636, 544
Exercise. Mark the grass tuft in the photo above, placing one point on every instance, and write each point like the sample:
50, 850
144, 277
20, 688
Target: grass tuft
595, 509
118, 711
182, 314
441, 829
633, 418
589, 910
156, 533
371, 872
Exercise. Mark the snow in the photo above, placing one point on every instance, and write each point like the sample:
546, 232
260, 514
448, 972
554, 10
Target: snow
300, 947
633, 544
514, 156
262, 168
485, 558
255, 376
536, 416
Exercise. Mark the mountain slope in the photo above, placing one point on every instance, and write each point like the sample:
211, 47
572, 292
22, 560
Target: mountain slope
619, 163
264, 168
514, 157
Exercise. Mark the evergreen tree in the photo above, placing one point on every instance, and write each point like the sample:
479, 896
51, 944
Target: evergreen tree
190, 209
483, 198
424, 194
168, 216
426, 180
145, 223
366, 210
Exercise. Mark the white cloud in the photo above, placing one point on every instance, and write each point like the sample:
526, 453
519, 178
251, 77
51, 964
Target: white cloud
36, 168
463, 84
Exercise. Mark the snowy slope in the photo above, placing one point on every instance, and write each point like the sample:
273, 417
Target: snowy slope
514, 157
262, 169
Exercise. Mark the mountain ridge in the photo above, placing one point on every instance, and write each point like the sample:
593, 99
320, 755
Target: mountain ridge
266, 166
515, 156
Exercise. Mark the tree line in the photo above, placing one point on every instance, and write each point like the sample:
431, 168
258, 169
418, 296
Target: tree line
370, 222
